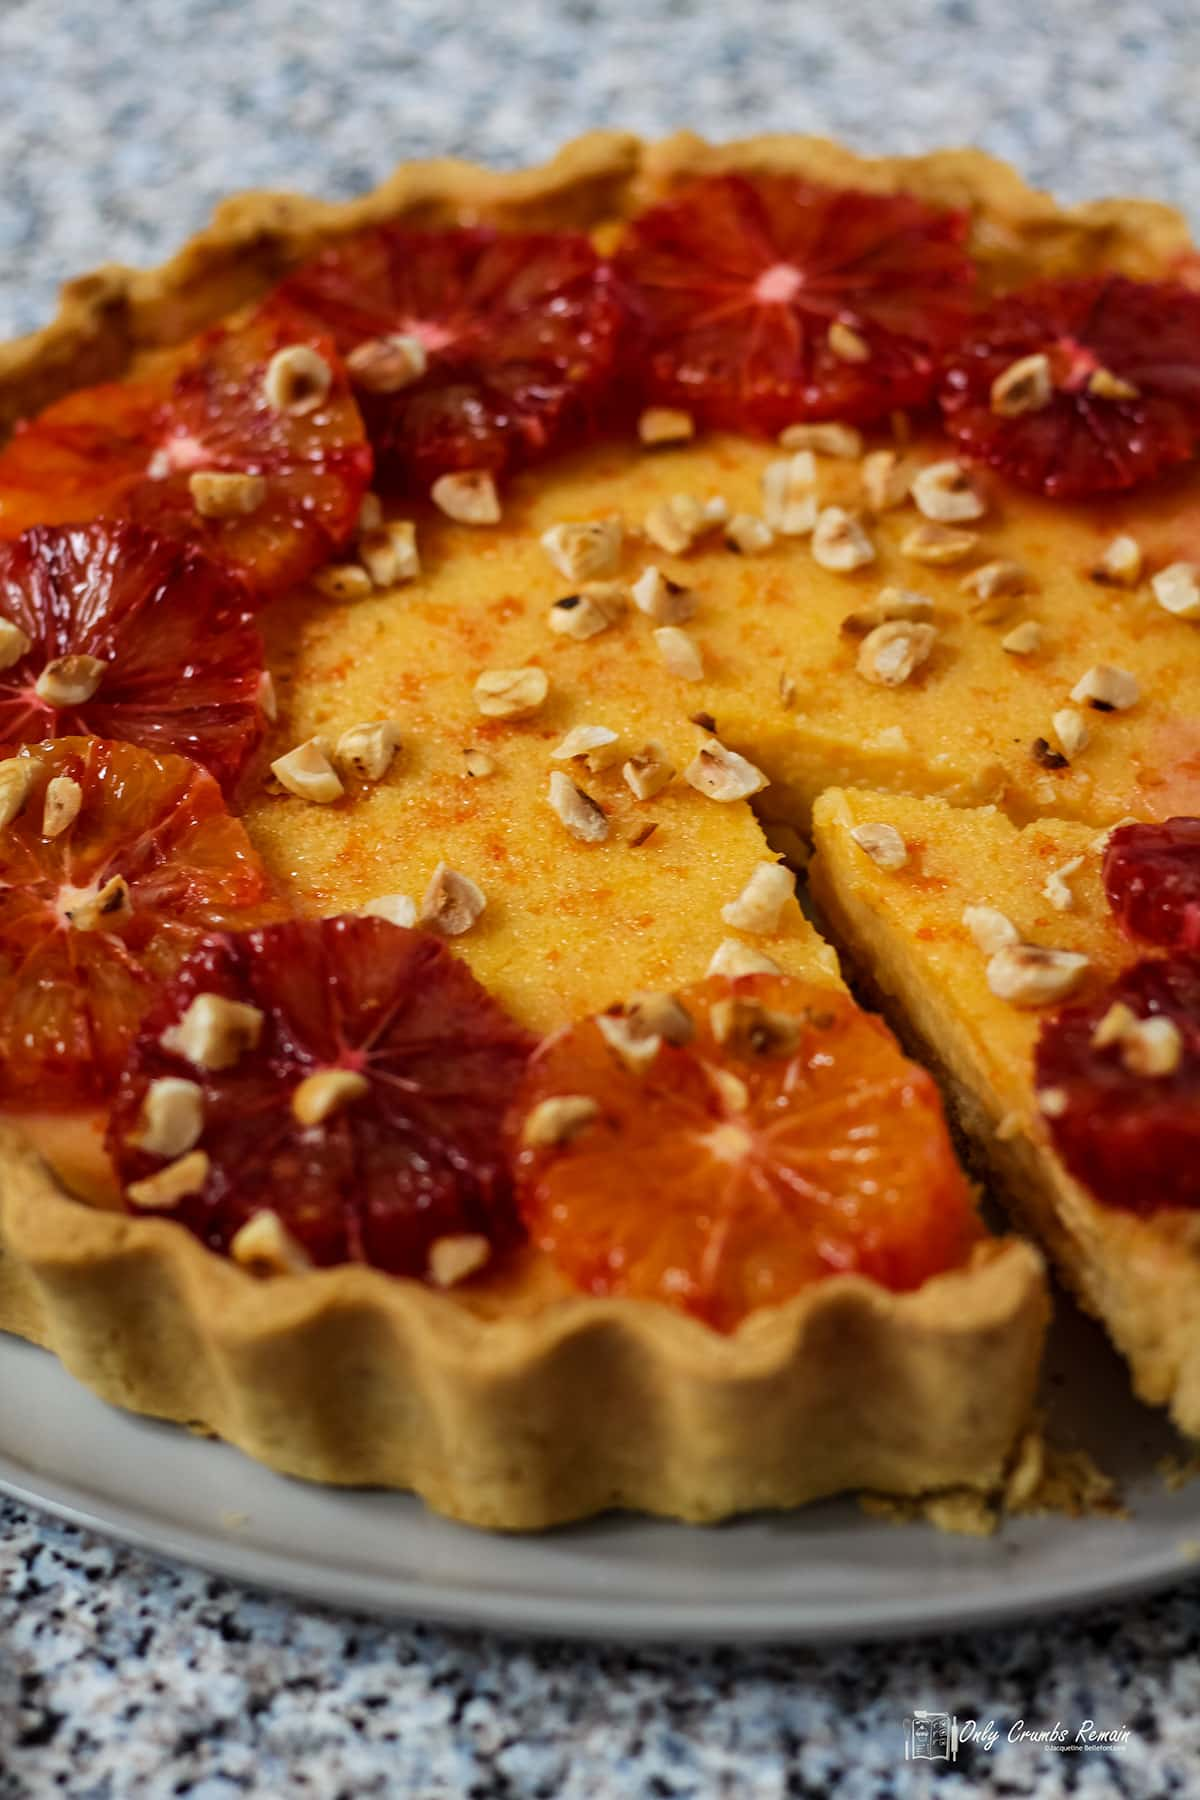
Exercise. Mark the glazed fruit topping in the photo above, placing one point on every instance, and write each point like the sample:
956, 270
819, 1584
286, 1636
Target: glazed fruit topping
472, 349
261, 461
114, 631
723, 1148
1079, 387
352, 1078
1119, 1082
114, 863
1152, 879
769, 300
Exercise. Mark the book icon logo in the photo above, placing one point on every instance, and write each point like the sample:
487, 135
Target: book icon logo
931, 1737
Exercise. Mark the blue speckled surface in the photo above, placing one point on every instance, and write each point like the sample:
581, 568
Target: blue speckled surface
119, 127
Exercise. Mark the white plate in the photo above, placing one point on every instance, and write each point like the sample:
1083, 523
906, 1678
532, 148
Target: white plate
824, 1573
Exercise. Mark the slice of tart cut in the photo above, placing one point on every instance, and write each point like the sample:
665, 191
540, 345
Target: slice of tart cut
998, 952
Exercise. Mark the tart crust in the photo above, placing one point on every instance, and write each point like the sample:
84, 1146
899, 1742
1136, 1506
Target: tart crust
543, 1415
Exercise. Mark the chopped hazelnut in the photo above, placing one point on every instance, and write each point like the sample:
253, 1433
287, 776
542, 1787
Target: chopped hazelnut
847, 344
478, 764
659, 1015
368, 750
659, 425
665, 601
343, 581
217, 495
1104, 385
16, 781
891, 653
308, 773
63, 799
552, 1123
748, 1028
1120, 565
452, 1259
1030, 975
1025, 386
167, 1187
937, 544
1152, 1047
943, 492
214, 1033
1106, 689
885, 481
265, 1246
297, 380
452, 902
827, 438
386, 365
990, 929
70, 680
14, 643
890, 603
839, 542
511, 693
171, 1117
882, 843
636, 1047
789, 486
1024, 639
763, 901
680, 653
594, 745
722, 774
326, 1092
991, 582
732, 957
1177, 590
397, 909
597, 606
468, 497
389, 553
648, 773
111, 905
586, 549
1056, 887
1052, 1102
1070, 728
747, 535
1113, 1026
675, 524
267, 701
581, 815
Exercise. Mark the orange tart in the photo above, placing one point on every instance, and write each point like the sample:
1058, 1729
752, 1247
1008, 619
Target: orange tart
430, 630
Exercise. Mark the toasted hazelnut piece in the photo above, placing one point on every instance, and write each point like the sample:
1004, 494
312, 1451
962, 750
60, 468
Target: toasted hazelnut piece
70, 680
1031, 975
839, 542
944, 493
660, 1015
267, 700
171, 1117
597, 606
1104, 385
990, 929
14, 643
891, 653
1106, 689
167, 1187
675, 524
665, 601
453, 1259
343, 581
511, 693
1056, 887
390, 554
1024, 639
648, 773
882, 843
469, 497
890, 603
722, 774
16, 781
665, 425
1070, 728
747, 534
478, 764
827, 438
265, 1246
297, 380
937, 544
729, 1142
214, 1033
64, 797
1177, 589
885, 481
990, 582
636, 1047
762, 902
110, 906
680, 653
1120, 565
1113, 1026
847, 344
555, 1122
732, 957
789, 487
368, 750
595, 745
452, 902
217, 495
1152, 1047
1025, 386
586, 549
308, 773
325, 1092
397, 909
749, 1028
583, 818
385, 365
1052, 1102
370, 514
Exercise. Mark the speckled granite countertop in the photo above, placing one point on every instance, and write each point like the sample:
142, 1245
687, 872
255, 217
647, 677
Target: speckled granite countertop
119, 128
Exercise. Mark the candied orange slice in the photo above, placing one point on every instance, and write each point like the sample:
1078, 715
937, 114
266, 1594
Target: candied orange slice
130, 449
781, 1137
113, 864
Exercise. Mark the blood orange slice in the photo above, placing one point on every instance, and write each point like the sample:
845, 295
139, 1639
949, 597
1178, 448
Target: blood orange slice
769, 299
1121, 1095
121, 633
141, 449
786, 1139
114, 863
509, 342
1116, 402
1152, 879
377, 1168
